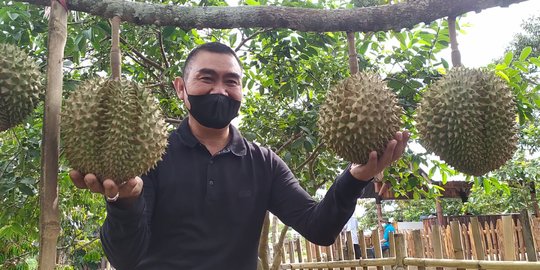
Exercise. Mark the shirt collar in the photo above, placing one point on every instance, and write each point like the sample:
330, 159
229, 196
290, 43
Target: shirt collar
236, 144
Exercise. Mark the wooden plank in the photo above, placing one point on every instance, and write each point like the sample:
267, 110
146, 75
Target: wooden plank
298, 250
291, 251
508, 238
418, 246
457, 247
309, 255
339, 241
392, 245
362, 243
475, 230
376, 246
318, 255
466, 240
520, 246
400, 250
436, 242
472, 264
528, 236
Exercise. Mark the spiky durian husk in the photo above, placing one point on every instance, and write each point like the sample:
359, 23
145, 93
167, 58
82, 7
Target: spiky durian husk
20, 86
113, 129
468, 119
360, 115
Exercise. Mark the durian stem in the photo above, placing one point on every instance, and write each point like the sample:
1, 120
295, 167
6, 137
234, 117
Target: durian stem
116, 66
456, 55
49, 216
353, 56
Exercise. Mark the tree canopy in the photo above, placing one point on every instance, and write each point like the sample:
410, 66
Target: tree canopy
287, 74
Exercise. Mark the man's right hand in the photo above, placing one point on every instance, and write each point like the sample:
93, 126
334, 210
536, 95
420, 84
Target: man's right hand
128, 192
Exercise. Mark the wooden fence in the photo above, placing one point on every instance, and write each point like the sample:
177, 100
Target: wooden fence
480, 244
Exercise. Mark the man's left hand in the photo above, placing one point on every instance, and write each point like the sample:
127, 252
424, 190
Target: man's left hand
394, 150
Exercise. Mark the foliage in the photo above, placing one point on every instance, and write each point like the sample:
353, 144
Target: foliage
287, 75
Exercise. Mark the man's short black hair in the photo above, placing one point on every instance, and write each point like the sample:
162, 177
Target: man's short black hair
214, 47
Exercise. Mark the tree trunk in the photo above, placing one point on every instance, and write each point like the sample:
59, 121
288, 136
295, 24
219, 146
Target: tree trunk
263, 242
379, 18
48, 185
534, 200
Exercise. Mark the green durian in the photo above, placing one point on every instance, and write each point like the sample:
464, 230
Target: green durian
20, 86
468, 119
113, 129
360, 115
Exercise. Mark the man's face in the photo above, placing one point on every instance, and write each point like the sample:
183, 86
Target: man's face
211, 73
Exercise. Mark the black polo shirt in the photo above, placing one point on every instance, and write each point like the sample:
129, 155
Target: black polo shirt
206, 212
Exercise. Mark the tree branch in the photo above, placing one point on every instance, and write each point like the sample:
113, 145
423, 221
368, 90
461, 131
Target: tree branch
258, 32
291, 140
162, 49
379, 18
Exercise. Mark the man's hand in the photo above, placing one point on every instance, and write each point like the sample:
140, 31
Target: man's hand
394, 150
127, 192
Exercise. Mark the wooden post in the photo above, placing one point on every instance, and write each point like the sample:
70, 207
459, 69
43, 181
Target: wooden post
340, 248
362, 243
478, 248
49, 224
437, 243
527, 235
457, 246
318, 255
376, 246
308, 252
401, 251
440, 215
350, 246
298, 250
291, 251
508, 238
418, 246
392, 245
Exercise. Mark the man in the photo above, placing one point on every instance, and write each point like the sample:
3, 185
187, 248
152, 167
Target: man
203, 205
388, 229
352, 226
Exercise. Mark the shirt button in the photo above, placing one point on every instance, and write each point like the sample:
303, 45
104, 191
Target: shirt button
211, 182
211, 162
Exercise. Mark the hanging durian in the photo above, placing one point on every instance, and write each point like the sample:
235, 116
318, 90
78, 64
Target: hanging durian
113, 128
360, 115
468, 119
20, 86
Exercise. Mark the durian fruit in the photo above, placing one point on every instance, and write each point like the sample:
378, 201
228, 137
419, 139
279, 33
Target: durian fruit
113, 129
20, 86
468, 119
360, 115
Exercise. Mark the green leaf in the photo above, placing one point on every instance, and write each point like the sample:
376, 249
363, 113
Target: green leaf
253, 3
525, 53
535, 61
502, 75
508, 58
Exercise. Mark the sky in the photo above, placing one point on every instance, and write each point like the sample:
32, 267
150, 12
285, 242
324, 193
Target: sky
491, 31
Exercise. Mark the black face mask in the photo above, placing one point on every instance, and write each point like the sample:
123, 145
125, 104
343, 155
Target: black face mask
213, 110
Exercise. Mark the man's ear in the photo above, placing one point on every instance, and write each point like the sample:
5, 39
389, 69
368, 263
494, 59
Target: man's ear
178, 84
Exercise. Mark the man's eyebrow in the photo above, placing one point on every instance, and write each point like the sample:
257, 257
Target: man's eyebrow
212, 72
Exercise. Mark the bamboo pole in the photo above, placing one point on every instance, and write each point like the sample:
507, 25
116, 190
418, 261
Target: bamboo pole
528, 236
49, 216
346, 263
475, 229
472, 264
508, 238
418, 246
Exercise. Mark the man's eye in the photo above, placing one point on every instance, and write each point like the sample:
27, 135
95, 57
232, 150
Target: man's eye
206, 79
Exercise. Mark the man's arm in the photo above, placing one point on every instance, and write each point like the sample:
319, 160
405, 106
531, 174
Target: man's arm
125, 234
319, 222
